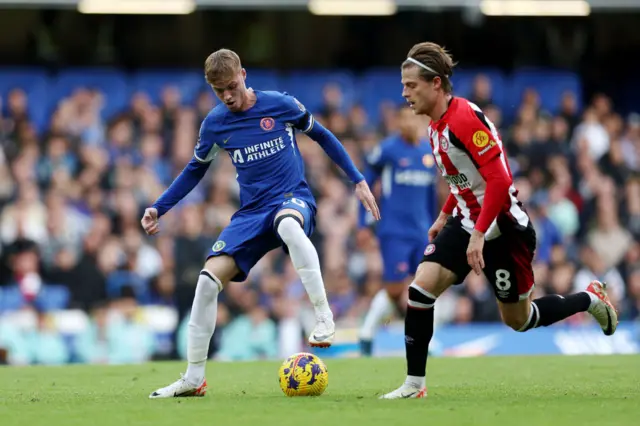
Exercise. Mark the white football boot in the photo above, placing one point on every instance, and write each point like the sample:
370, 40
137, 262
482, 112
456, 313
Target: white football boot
180, 388
406, 391
323, 333
601, 307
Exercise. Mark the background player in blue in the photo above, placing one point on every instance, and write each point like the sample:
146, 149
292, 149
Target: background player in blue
404, 164
257, 130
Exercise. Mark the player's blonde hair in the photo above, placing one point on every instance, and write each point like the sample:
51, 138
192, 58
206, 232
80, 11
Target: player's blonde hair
221, 64
435, 60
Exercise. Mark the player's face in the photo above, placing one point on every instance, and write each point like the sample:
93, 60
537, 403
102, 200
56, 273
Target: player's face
231, 90
420, 94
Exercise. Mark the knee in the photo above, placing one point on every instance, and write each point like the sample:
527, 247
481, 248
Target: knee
515, 323
288, 226
395, 290
208, 284
419, 298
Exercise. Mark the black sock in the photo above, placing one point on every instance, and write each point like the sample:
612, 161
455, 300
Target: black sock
418, 331
553, 308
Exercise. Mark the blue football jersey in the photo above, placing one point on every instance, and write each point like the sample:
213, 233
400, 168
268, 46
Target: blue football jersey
409, 201
262, 145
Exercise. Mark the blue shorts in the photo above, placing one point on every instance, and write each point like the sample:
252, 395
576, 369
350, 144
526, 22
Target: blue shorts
400, 257
250, 234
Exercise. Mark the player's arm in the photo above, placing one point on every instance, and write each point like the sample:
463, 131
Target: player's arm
476, 138
303, 120
205, 151
298, 116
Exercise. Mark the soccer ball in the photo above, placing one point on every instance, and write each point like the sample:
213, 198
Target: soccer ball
303, 374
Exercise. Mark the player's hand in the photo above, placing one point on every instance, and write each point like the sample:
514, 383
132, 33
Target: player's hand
150, 222
474, 251
437, 226
367, 199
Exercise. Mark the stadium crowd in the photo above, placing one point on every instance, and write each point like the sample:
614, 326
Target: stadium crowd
71, 200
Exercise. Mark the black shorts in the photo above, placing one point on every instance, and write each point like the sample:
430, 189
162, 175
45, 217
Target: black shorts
507, 258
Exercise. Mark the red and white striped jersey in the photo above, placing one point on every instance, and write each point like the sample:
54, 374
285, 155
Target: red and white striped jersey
463, 141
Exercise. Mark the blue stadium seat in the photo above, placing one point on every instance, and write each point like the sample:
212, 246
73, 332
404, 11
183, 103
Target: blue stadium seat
550, 85
111, 82
53, 297
152, 82
12, 299
308, 87
34, 83
261, 79
379, 85
463, 81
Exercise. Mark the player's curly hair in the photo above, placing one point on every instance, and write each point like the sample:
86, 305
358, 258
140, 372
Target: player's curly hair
221, 64
438, 63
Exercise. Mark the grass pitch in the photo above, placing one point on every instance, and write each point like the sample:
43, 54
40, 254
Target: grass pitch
539, 391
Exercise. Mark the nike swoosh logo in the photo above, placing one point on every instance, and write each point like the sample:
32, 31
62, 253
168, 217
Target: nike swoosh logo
224, 141
322, 336
409, 395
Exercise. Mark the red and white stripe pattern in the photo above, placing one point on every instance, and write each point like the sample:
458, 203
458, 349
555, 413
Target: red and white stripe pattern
452, 146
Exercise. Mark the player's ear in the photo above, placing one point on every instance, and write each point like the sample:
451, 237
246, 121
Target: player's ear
244, 73
437, 82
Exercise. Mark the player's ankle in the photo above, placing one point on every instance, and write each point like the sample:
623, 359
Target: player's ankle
195, 373
415, 381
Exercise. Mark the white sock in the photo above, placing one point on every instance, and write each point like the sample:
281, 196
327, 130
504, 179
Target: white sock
594, 299
381, 306
305, 259
415, 381
202, 323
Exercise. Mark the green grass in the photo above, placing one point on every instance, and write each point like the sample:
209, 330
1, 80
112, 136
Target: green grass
540, 391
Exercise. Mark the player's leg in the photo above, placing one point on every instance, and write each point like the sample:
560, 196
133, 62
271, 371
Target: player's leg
508, 266
383, 304
238, 248
444, 265
294, 223
218, 271
396, 257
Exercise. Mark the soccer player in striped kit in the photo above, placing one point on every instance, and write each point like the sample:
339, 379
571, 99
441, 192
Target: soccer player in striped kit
482, 227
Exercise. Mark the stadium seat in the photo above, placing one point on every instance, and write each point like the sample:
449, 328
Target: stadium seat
550, 85
377, 86
308, 87
34, 82
53, 297
152, 82
463, 81
12, 299
261, 79
112, 83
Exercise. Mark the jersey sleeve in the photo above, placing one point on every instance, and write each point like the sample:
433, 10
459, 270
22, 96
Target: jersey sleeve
296, 114
206, 148
471, 132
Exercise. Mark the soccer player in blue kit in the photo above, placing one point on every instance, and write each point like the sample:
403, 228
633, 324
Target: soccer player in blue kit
404, 164
257, 130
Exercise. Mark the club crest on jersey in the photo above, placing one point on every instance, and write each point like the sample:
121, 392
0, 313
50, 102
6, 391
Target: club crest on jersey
267, 123
480, 138
219, 245
430, 249
427, 160
444, 143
